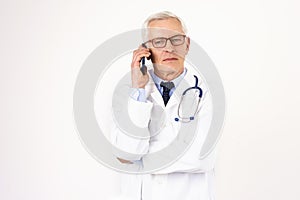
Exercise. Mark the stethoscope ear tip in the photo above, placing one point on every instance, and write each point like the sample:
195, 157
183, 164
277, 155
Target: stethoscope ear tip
176, 119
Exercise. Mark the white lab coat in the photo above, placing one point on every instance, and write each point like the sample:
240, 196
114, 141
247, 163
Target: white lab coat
189, 177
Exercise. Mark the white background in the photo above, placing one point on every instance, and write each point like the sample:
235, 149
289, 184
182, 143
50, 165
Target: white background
254, 45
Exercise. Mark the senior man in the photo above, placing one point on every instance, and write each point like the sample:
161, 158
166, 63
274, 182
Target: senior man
153, 105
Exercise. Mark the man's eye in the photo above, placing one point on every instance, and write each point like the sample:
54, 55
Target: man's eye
177, 40
157, 42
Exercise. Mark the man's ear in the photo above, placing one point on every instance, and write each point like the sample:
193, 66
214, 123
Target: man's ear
188, 42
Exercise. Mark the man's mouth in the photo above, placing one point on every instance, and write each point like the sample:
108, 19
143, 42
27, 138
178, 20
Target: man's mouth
170, 59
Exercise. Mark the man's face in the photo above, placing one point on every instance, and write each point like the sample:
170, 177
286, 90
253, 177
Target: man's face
169, 59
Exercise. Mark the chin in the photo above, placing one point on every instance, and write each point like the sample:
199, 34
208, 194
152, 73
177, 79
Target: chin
171, 67
174, 68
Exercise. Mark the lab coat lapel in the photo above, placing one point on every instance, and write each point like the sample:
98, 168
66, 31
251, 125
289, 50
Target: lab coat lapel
154, 93
186, 82
174, 99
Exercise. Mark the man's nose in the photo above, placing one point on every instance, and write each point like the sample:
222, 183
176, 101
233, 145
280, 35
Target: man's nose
169, 47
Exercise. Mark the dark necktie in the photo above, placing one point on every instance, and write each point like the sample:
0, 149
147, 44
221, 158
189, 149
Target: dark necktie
167, 86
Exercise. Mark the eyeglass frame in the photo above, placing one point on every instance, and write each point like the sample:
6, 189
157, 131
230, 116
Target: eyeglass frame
184, 36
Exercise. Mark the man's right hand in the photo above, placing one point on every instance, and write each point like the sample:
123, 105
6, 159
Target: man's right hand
124, 161
138, 79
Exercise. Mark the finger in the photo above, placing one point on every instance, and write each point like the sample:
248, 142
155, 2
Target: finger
139, 51
136, 60
141, 54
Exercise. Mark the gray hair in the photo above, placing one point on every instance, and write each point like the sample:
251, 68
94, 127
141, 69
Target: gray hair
161, 16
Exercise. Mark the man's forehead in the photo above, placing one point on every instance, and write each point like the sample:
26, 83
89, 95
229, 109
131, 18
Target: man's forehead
162, 32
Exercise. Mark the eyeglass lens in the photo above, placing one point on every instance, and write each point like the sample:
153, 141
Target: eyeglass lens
175, 41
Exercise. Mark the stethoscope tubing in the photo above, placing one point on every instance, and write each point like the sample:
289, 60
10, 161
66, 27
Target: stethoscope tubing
188, 119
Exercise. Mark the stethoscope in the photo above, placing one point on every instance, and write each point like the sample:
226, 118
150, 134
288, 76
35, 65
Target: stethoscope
191, 118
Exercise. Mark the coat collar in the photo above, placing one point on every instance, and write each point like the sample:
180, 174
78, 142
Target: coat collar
186, 82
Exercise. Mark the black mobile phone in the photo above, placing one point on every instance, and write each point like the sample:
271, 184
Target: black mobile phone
143, 67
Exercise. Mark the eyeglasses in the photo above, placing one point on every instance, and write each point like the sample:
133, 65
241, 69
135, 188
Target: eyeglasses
161, 42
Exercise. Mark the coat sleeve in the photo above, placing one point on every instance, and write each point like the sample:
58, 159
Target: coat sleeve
190, 162
126, 146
